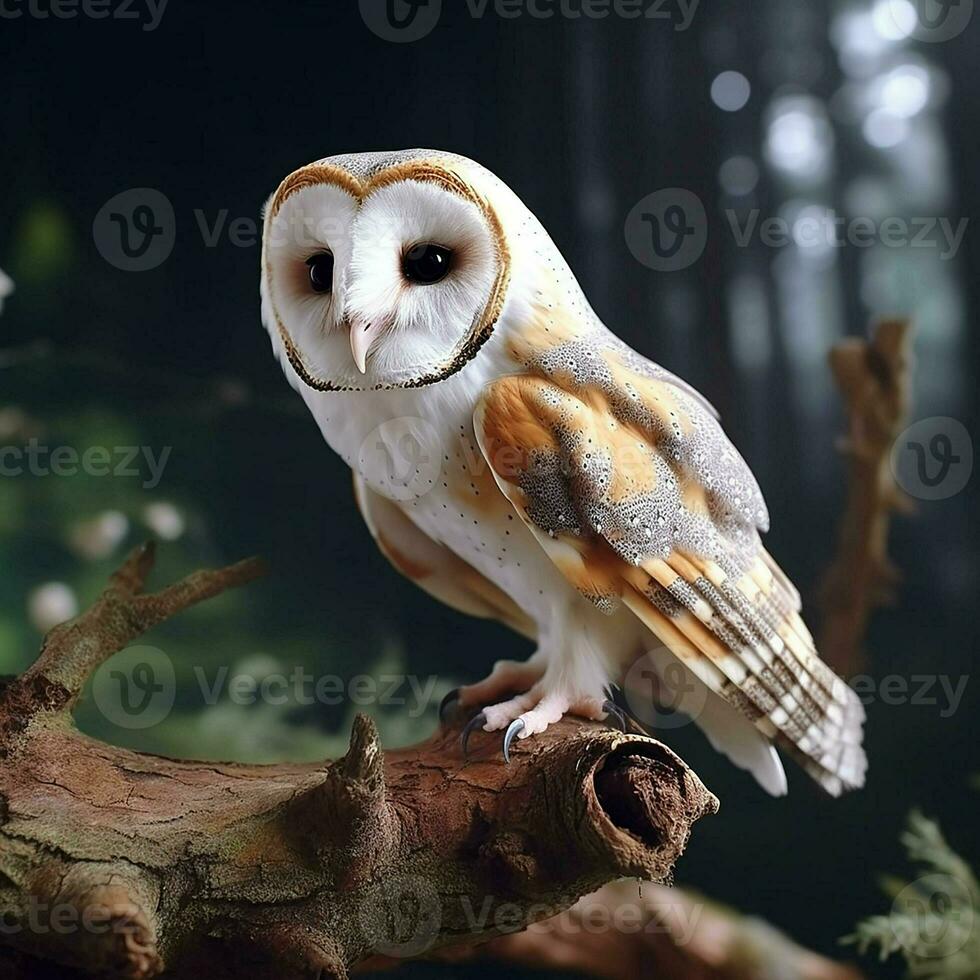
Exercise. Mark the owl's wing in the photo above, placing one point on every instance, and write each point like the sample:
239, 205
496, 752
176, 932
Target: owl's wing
725, 727
432, 566
636, 494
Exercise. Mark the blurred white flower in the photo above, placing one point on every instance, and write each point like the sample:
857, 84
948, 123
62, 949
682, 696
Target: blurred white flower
13, 421
6, 287
164, 520
99, 536
51, 604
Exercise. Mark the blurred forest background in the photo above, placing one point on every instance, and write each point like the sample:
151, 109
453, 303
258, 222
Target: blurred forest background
792, 107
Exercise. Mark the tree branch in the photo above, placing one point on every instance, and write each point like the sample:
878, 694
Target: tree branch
874, 378
73, 651
123, 864
624, 933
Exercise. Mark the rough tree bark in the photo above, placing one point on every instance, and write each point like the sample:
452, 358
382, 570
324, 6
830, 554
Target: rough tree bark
623, 933
125, 865
874, 378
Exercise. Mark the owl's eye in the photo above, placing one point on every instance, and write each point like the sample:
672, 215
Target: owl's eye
427, 263
321, 272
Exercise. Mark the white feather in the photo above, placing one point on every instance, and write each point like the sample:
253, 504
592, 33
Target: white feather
727, 731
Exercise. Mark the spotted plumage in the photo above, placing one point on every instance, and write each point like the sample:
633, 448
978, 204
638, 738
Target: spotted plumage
558, 481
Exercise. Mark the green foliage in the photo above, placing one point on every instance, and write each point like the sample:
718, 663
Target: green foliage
43, 244
933, 920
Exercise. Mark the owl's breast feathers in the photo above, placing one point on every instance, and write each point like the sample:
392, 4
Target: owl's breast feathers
625, 477
433, 566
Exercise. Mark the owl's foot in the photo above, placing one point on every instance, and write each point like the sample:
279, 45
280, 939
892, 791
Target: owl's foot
531, 713
506, 677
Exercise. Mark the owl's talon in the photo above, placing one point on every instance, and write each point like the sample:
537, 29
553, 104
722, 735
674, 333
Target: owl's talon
513, 730
613, 709
477, 721
450, 701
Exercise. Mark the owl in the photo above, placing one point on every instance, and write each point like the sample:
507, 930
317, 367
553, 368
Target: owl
519, 462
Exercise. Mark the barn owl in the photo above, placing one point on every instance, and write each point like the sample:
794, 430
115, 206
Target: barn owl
566, 486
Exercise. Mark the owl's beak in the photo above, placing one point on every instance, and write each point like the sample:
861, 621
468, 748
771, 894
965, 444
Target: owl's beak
362, 336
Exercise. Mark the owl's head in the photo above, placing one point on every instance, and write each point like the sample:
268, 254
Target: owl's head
383, 270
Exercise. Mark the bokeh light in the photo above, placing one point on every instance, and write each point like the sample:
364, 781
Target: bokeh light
731, 91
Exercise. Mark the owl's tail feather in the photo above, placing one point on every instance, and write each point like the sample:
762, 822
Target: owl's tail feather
744, 638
